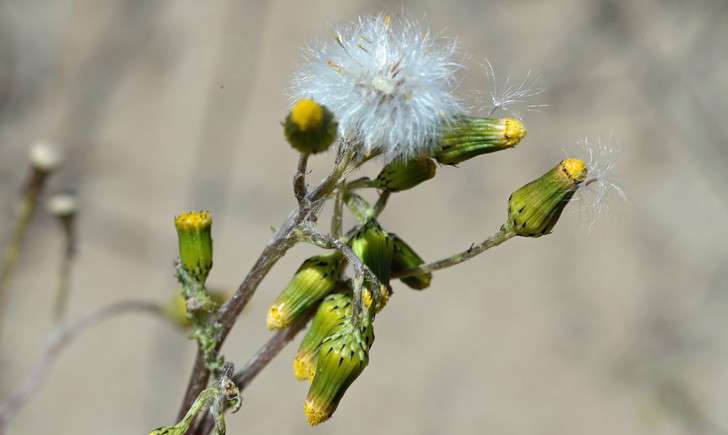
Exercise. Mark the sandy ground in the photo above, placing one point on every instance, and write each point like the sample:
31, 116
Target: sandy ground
162, 106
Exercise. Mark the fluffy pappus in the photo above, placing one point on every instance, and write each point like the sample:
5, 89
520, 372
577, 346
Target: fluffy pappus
593, 194
511, 94
389, 82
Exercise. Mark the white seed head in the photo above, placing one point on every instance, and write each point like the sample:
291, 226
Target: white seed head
45, 156
511, 95
593, 195
388, 81
62, 205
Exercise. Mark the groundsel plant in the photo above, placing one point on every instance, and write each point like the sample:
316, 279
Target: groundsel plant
381, 86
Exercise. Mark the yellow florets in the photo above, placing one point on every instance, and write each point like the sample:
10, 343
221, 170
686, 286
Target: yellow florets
307, 114
514, 131
277, 317
366, 297
303, 368
193, 220
575, 169
313, 414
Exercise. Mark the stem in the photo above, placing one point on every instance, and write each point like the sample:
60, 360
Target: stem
64, 274
496, 239
338, 213
30, 194
226, 316
358, 206
381, 203
258, 362
57, 342
299, 180
361, 270
359, 183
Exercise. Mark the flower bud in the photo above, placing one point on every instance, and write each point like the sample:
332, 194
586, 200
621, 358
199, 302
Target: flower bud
534, 209
310, 127
195, 243
400, 175
404, 258
470, 137
316, 278
374, 247
342, 357
330, 312
383, 297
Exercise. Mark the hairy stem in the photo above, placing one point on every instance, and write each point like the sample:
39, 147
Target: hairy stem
361, 270
57, 342
226, 316
258, 362
496, 239
337, 215
299, 180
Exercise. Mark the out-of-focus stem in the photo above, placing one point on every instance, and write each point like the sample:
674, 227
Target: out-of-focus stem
30, 194
64, 273
58, 341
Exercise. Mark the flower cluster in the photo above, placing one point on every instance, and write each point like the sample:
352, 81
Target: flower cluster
382, 86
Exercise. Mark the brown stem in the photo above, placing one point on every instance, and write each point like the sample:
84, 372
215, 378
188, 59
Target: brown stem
257, 363
299, 180
226, 316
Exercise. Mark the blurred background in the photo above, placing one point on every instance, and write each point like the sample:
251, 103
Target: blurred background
161, 106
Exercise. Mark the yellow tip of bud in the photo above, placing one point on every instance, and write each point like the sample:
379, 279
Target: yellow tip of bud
277, 317
514, 131
303, 370
366, 297
313, 414
307, 114
193, 220
575, 169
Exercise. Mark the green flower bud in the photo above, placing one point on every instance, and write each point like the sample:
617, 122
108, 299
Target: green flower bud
374, 247
401, 175
310, 127
342, 357
404, 258
383, 296
331, 311
534, 209
470, 137
316, 278
195, 243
